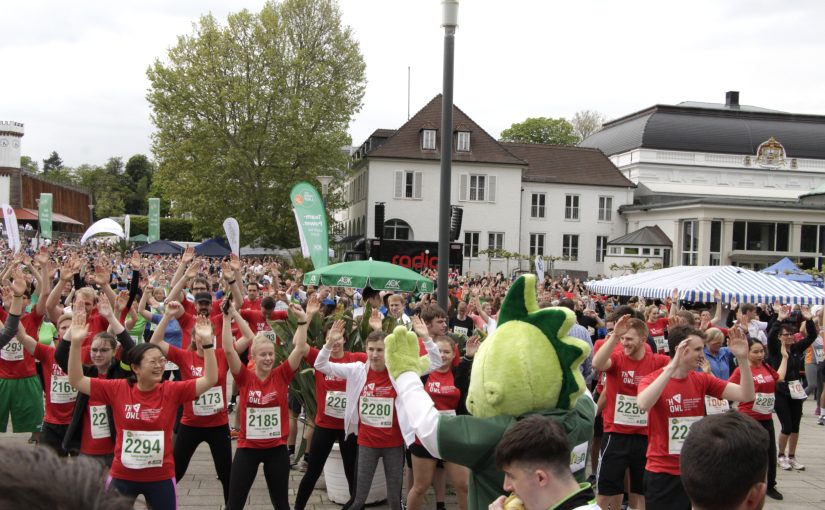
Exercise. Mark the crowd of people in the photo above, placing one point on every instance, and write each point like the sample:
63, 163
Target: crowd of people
134, 361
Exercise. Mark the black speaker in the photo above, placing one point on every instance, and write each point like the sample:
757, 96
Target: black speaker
379, 220
456, 214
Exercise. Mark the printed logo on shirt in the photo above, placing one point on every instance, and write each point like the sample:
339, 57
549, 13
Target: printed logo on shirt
759, 378
677, 404
56, 370
132, 412
434, 387
629, 377
196, 371
136, 412
254, 397
258, 397
369, 389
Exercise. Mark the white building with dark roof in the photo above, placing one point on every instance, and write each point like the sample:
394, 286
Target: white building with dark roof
726, 183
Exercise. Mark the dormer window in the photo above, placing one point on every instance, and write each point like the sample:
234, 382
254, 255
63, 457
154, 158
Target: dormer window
462, 143
428, 139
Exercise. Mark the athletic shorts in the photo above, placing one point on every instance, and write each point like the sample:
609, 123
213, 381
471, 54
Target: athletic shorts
294, 404
665, 492
619, 453
422, 453
23, 399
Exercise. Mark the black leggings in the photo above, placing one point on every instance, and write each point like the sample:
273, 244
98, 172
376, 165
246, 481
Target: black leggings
245, 469
162, 495
768, 425
220, 444
789, 412
322, 441
51, 435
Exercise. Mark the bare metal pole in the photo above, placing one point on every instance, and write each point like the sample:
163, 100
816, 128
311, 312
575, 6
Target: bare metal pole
449, 22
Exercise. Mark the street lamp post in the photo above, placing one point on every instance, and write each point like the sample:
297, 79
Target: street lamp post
449, 20
324, 180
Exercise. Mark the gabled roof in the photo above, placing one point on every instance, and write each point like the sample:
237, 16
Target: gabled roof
700, 127
646, 236
406, 142
563, 164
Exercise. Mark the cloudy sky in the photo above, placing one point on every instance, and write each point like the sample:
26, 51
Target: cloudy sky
75, 72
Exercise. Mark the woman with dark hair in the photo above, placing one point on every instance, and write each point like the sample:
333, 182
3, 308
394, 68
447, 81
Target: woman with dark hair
789, 393
762, 406
144, 409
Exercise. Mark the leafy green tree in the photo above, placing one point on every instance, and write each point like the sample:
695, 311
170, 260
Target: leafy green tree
28, 164
246, 110
541, 130
106, 190
52, 162
139, 170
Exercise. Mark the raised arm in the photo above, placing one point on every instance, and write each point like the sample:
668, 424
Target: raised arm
160, 329
601, 360
674, 303
103, 278
53, 307
205, 337
177, 290
717, 317
18, 286
232, 358
783, 366
78, 332
432, 361
744, 391
185, 259
146, 314
247, 335
300, 347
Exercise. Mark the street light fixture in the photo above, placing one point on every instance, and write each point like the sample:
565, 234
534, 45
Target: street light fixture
449, 20
324, 180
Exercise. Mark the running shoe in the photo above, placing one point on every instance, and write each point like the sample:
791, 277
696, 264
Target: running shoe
774, 494
795, 464
783, 463
301, 466
821, 420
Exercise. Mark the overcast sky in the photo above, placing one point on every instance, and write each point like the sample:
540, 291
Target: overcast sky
75, 72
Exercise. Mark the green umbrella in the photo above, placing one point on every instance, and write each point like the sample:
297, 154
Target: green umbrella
369, 273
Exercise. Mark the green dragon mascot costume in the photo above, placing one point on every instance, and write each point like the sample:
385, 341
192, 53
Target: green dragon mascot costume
527, 366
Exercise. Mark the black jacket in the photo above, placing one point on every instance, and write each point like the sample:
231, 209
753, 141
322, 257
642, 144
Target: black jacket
117, 370
796, 353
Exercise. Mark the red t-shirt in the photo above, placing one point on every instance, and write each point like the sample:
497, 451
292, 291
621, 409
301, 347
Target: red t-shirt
95, 438
264, 407
208, 410
144, 422
681, 403
623, 378
764, 385
190, 308
15, 361
251, 305
657, 331
60, 396
378, 420
332, 391
97, 323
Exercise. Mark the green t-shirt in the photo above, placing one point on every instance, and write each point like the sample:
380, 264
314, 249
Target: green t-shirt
472, 441
137, 331
46, 333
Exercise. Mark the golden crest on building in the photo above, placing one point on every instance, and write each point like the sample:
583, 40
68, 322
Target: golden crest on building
770, 154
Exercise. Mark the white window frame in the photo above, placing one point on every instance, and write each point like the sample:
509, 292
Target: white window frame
462, 141
568, 251
428, 140
690, 254
601, 248
605, 208
572, 204
472, 236
536, 244
402, 177
489, 189
538, 205
492, 245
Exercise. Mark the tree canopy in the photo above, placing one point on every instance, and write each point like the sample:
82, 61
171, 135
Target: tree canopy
246, 110
541, 130
587, 122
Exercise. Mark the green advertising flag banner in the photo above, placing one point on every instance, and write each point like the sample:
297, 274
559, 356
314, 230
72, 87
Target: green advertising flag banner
154, 220
44, 215
312, 223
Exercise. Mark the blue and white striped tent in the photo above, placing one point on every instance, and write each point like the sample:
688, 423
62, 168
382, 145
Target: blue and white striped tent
697, 283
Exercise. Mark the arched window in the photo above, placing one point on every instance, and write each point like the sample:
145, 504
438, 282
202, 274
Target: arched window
397, 229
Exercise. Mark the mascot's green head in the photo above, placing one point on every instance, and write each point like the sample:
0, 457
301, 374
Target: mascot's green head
528, 363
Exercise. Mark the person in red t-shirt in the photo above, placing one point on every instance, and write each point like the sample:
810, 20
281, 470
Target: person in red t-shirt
205, 419
674, 398
264, 412
657, 326
253, 297
625, 425
330, 402
144, 410
448, 390
761, 408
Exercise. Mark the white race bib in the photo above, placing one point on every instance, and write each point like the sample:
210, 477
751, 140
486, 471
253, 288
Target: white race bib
13, 351
61, 391
764, 402
661, 344
460, 330
578, 458
336, 403
100, 422
627, 412
376, 411
142, 449
797, 391
170, 366
211, 402
447, 412
263, 422
678, 432
715, 406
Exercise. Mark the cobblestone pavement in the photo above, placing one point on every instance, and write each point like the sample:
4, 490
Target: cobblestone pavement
201, 490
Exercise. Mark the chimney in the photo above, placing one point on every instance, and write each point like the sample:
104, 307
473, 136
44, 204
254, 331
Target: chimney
732, 99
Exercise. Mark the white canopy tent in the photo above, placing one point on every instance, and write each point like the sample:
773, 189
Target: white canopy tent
698, 283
